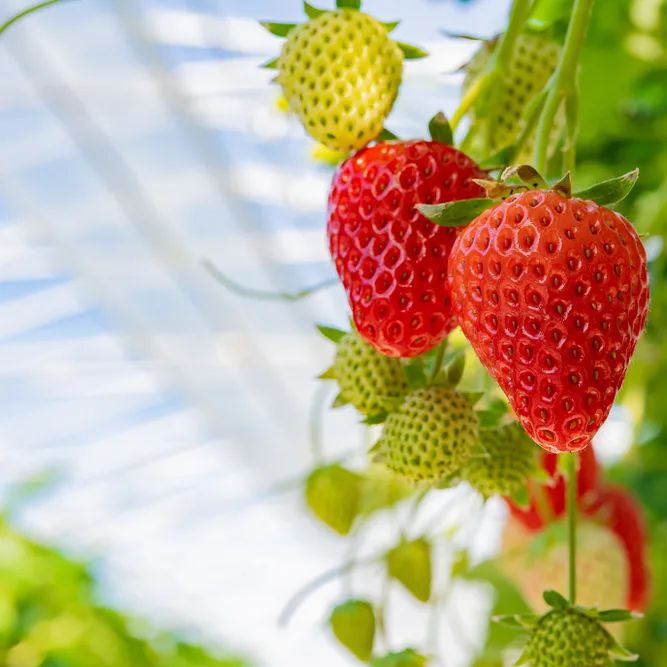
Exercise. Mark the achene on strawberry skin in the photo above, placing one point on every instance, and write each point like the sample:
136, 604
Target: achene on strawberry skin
391, 260
552, 292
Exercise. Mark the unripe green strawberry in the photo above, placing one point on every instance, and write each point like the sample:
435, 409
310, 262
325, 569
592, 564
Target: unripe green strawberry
504, 462
340, 73
410, 563
602, 565
333, 493
430, 436
370, 381
353, 623
568, 638
533, 61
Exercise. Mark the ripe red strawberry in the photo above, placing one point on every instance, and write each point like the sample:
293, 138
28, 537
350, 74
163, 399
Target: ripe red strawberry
547, 499
391, 259
552, 292
615, 507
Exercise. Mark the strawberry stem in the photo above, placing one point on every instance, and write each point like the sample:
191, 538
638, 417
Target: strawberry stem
572, 525
563, 87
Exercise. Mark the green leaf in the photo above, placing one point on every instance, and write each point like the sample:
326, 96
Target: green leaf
611, 191
499, 159
414, 372
455, 213
521, 497
555, 599
331, 333
378, 418
406, 658
410, 564
277, 29
488, 418
348, 4
312, 12
353, 624
271, 64
456, 368
411, 52
387, 135
617, 615
473, 397
440, 129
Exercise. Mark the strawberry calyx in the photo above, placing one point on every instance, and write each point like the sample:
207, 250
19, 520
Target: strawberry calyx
410, 51
524, 178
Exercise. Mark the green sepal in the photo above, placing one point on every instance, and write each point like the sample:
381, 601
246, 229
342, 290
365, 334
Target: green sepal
339, 402
473, 397
410, 564
277, 29
405, 658
271, 64
312, 12
517, 621
499, 159
618, 652
331, 333
524, 659
618, 615
410, 51
387, 135
488, 419
328, 374
440, 129
564, 185
521, 497
390, 26
455, 368
456, 213
353, 624
555, 599
348, 4
611, 191
378, 418
414, 372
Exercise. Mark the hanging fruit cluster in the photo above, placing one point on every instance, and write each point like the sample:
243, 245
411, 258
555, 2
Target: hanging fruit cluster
549, 288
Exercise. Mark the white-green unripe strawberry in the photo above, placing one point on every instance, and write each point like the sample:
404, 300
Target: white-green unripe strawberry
340, 73
370, 381
503, 461
430, 436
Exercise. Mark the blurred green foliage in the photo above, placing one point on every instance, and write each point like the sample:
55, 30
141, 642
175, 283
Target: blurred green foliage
49, 618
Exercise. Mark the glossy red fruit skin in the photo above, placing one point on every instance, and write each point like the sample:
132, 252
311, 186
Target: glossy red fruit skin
547, 500
391, 260
552, 292
617, 509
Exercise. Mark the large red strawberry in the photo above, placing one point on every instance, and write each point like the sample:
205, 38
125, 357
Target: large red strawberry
547, 498
552, 292
391, 259
615, 507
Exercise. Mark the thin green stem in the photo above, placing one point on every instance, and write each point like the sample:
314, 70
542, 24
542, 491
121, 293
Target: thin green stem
563, 84
29, 10
439, 358
572, 525
501, 56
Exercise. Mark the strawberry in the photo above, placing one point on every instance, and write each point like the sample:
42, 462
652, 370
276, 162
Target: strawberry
504, 462
615, 507
353, 624
552, 293
391, 260
533, 61
535, 564
568, 637
370, 381
333, 493
410, 564
547, 499
430, 436
340, 73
